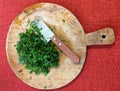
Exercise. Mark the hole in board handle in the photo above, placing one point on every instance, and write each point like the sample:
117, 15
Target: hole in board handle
103, 36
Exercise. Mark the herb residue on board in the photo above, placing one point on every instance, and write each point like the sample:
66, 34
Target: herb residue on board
34, 52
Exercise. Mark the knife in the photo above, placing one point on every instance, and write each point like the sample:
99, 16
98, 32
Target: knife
49, 35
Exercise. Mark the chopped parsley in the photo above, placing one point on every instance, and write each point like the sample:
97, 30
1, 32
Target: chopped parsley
45, 87
62, 12
63, 20
34, 52
53, 28
80, 31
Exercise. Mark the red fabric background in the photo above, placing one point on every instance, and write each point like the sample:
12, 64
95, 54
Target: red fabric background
101, 71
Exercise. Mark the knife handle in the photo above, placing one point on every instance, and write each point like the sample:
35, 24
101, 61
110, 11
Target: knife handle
65, 49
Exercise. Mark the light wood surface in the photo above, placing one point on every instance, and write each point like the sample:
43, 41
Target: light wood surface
100, 37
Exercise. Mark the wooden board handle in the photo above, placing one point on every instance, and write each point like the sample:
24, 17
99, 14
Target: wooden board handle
100, 37
65, 49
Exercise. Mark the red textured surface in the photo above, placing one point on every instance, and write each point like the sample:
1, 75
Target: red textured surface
101, 71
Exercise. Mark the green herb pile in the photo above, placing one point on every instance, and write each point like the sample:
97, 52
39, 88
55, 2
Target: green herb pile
34, 52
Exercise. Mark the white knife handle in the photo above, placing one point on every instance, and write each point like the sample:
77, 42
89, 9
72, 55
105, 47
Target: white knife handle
65, 49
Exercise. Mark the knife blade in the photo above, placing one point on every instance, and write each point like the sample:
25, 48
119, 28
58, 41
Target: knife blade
49, 35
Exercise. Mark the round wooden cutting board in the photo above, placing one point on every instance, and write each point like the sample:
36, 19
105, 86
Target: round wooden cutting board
68, 29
